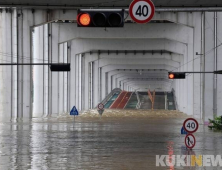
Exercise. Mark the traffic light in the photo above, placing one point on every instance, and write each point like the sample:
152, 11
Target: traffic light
60, 67
100, 18
218, 72
176, 75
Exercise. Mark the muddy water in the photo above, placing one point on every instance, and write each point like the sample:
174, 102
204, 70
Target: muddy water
120, 139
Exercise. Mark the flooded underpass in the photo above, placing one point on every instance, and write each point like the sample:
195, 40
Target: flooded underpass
120, 139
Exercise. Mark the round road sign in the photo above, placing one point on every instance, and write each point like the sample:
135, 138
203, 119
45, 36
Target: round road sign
100, 106
190, 141
190, 125
142, 11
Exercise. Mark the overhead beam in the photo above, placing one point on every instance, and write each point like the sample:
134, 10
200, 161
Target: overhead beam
99, 5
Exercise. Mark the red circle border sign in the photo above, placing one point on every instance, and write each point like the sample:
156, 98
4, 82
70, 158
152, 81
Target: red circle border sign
142, 21
99, 105
194, 121
194, 141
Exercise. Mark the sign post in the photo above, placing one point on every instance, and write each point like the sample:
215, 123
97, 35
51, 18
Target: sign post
100, 108
142, 11
74, 112
190, 125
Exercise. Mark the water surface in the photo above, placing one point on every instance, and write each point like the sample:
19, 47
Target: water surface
120, 139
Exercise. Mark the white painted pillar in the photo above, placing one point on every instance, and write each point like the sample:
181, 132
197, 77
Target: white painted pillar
65, 74
86, 86
96, 83
6, 56
209, 66
197, 87
80, 81
46, 70
72, 76
54, 47
2, 69
20, 69
38, 73
219, 65
61, 80
77, 80
14, 69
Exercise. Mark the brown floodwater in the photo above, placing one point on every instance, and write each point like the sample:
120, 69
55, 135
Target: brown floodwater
118, 140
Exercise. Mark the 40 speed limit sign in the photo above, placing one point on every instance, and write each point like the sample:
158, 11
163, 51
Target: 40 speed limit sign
190, 125
142, 11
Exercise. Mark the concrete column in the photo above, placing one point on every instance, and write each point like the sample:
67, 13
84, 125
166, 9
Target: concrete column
49, 72
65, 75
38, 72
69, 92
96, 83
86, 76
80, 81
83, 72
55, 31
6, 71
9, 56
61, 81
72, 76
209, 66
90, 84
46, 70
100, 83
219, 64
14, 69
1, 70
77, 80
197, 87
24, 21
107, 82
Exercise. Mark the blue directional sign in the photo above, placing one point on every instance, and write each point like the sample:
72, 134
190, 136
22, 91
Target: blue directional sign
183, 131
74, 111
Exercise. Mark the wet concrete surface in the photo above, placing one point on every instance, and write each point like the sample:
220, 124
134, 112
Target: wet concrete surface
120, 139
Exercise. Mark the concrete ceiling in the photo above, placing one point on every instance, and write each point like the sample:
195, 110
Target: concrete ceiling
111, 3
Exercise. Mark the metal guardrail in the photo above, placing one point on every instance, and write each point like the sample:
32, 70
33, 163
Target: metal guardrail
175, 99
106, 99
138, 98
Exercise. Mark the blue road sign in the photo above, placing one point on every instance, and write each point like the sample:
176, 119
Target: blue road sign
74, 111
183, 131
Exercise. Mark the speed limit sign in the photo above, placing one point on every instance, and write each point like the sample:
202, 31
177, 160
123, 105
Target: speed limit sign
190, 125
142, 11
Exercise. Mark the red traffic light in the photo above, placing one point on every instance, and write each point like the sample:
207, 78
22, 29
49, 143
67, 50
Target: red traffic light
171, 76
100, 18
176, 75
83, 19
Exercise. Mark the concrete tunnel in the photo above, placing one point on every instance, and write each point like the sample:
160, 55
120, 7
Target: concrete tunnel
104, 59
113, 66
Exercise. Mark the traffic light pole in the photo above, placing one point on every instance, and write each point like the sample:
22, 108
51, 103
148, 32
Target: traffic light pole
182, 75
214, 72
30, 64
53, 66
199, 72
